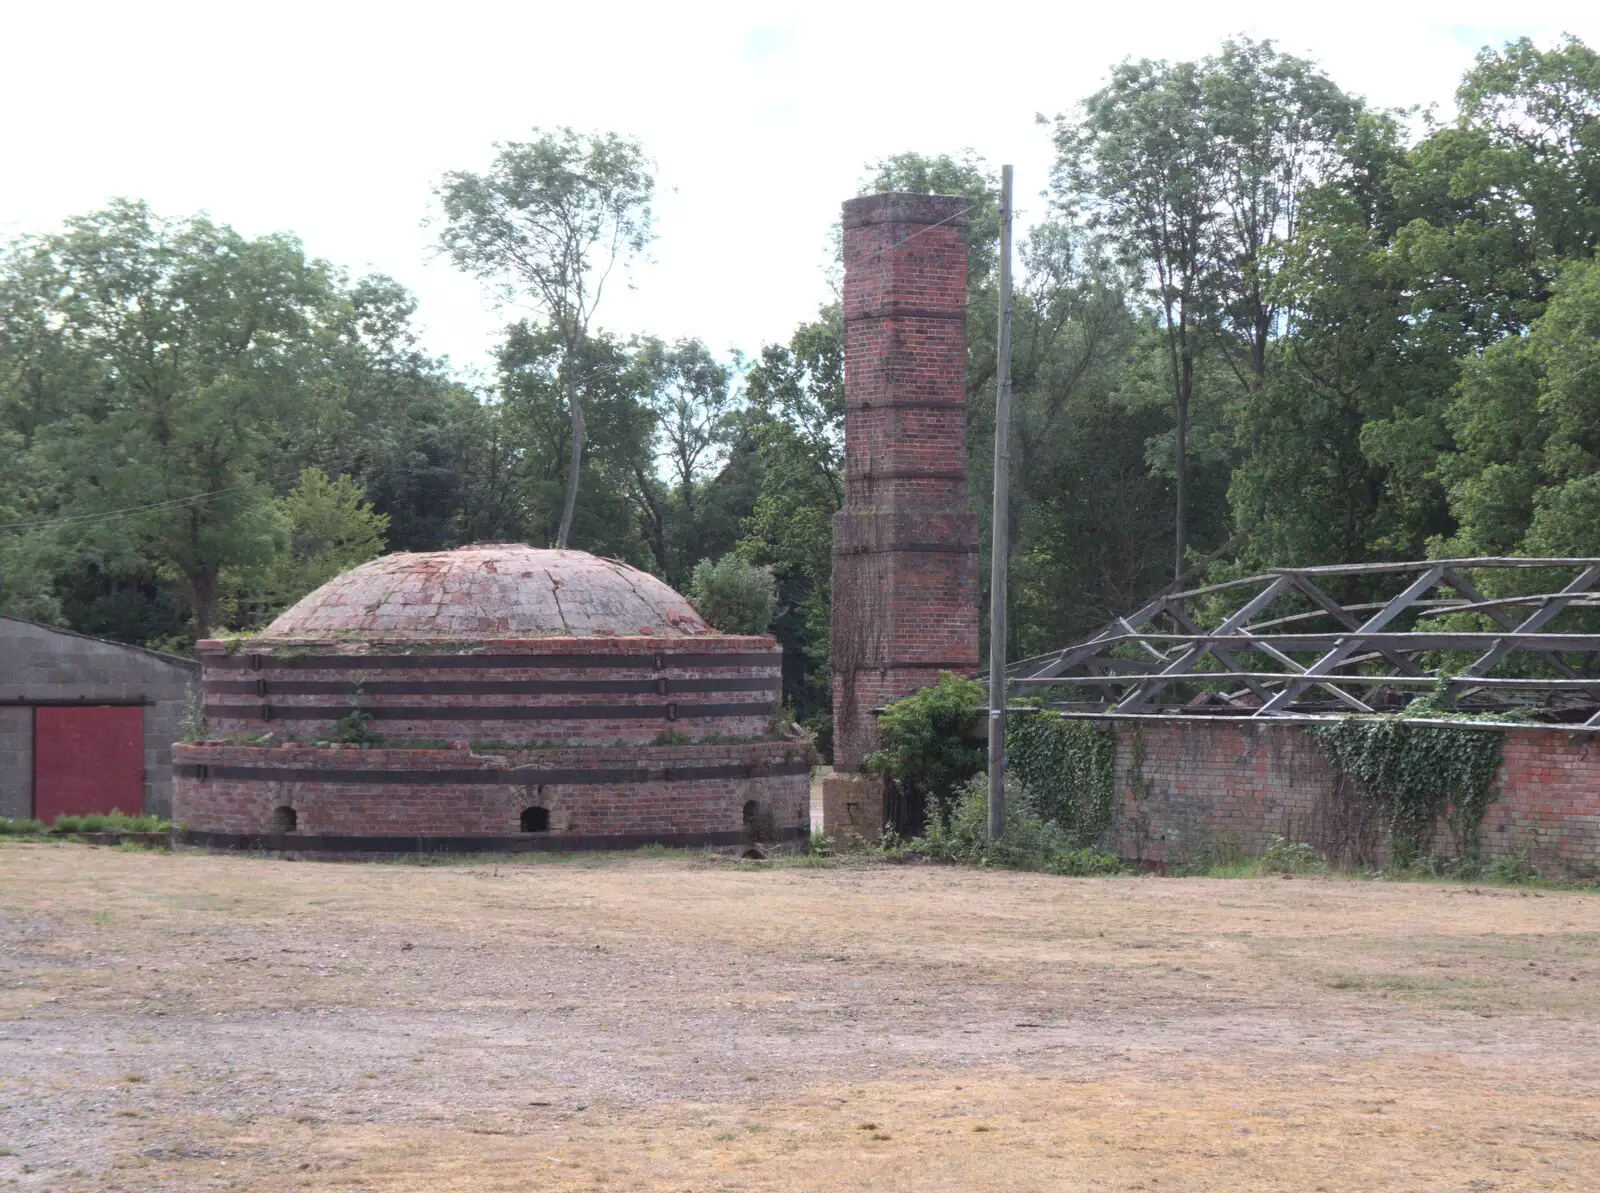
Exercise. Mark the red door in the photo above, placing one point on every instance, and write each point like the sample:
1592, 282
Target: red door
87, 759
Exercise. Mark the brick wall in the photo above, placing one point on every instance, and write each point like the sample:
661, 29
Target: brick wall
519, 690
672, 799
905, 551
1184, 788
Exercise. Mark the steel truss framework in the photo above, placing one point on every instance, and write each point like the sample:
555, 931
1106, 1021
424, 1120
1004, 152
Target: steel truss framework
1281, 644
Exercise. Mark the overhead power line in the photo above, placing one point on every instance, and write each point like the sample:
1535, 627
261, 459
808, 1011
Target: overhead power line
125, 511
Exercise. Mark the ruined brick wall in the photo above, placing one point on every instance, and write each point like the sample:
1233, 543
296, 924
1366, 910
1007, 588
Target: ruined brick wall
1217, 787
905, 550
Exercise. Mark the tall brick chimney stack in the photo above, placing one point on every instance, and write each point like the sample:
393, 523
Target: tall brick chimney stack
905, 545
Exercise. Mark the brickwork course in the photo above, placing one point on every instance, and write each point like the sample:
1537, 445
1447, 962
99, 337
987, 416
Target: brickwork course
1192, 787
43, 665
905, 550
495, 681
666, 791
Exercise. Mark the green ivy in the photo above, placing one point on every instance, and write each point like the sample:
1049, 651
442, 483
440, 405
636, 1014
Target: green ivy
1067, 769
1063, 768
1418, 775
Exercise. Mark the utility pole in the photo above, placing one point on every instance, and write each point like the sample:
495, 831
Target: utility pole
1001, 536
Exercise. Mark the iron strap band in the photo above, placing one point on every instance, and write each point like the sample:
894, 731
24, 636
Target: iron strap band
521, 843
485, 687
500, 712
642, 661
488, 777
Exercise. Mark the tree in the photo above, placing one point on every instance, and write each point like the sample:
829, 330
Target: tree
163, 382
1279, 126
1525, 476
795, 393
696, 419
520, 484
331, 529
549, 222
162, 360
1142, 163
1405, 408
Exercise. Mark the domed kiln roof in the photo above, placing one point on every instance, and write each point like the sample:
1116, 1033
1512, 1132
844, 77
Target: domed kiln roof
491, 590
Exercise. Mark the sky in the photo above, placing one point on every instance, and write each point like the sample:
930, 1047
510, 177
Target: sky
334, 120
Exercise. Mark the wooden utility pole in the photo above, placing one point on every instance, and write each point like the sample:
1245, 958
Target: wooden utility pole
1001, 538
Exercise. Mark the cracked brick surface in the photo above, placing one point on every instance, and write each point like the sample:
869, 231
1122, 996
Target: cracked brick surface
496, 589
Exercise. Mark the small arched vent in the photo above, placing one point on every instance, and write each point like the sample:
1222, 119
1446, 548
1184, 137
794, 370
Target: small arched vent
536, 820
284, 819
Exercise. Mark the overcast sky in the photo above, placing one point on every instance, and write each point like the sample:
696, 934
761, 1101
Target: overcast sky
333, 120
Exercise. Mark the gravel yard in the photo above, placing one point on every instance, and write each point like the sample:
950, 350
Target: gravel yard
193, 1021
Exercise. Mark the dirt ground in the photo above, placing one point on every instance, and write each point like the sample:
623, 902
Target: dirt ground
192, 1021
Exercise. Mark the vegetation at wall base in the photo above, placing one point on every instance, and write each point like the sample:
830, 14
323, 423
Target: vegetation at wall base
960, 833
1283, 859
64, 826
1061, 770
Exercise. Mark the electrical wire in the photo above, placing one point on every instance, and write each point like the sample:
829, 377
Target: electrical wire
905, 240
126, 511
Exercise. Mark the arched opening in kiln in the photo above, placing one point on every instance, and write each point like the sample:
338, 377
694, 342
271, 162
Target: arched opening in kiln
284, 819
536, 820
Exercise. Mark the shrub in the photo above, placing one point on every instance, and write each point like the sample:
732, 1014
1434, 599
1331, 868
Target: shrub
819, 845
733, 595
1284, 857
926, 741
94, 822
355, 727
1030, 841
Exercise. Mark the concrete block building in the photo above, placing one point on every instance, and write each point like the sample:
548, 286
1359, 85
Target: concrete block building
86, 725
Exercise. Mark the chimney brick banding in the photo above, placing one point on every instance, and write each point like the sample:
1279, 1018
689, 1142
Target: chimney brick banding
905, 549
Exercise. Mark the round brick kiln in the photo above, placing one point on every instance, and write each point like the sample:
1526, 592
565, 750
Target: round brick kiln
491, 697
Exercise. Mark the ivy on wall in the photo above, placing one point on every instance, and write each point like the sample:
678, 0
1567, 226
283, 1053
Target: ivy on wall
1418, 775
1067, 770
1063, 769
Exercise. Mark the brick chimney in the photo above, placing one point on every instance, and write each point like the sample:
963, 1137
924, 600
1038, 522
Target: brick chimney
905, 545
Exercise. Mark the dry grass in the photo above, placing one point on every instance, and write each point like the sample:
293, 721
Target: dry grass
203, 1022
